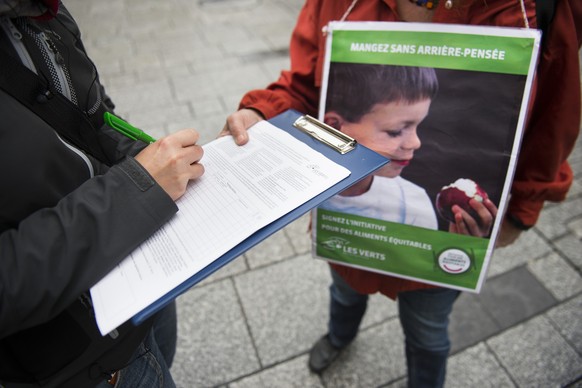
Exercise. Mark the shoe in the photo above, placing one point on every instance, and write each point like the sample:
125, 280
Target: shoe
322, 354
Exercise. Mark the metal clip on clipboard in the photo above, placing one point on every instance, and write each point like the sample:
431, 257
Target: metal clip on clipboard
339, 141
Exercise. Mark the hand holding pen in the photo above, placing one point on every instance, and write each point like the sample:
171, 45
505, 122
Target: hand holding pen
172, 161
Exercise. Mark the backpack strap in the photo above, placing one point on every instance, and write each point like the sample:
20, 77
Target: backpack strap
545, 10
67, 119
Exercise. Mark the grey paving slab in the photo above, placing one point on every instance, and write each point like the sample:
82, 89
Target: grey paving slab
380, 309
117, 80
258, 13
576, 227
208, 106
557, 276
536, 355
529, 246
515, 296
151, 70
235, 267
298, 234
553, 220
205, 93
241, 79
571, 247
576, 188
154, 119
218, 35
143, 95
245, 45
193, 87
112, 72
567, 318
275, 64
291, 374
470, 323
285, 305
143, 60
214, 345
276, 248
476, 367
290, 241
146, 73
374, 358
196, 59
400, 383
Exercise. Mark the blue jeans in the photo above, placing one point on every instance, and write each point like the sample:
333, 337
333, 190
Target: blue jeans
152, 360
424, 316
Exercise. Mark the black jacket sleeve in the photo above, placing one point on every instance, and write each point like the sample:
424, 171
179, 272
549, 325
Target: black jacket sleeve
57, 253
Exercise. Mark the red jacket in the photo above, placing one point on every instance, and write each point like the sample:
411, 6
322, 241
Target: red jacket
553, 124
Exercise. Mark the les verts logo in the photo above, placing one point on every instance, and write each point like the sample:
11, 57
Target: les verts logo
454, 261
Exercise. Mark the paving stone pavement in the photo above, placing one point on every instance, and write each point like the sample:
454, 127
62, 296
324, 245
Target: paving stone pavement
186, 63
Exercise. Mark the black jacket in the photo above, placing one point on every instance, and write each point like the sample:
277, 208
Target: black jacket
66, 218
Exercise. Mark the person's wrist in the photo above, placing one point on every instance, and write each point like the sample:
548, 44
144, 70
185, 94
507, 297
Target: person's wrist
259, 114
516, 222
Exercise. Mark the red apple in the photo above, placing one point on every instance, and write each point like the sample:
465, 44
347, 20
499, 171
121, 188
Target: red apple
459, 193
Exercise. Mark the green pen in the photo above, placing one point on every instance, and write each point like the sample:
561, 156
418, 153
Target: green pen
126, 129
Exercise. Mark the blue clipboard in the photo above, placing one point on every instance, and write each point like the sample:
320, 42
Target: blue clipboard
361, 162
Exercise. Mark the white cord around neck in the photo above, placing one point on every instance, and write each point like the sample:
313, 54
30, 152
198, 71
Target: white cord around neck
348, 10
524, 14
343, 18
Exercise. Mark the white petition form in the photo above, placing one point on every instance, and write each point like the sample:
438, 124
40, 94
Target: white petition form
242, 190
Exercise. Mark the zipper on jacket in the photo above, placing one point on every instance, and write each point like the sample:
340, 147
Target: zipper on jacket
52, 58
59, 64
15, 37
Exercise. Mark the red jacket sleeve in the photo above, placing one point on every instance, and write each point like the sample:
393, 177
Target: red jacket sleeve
542, 172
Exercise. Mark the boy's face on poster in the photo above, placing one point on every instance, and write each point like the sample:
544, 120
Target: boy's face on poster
391, 130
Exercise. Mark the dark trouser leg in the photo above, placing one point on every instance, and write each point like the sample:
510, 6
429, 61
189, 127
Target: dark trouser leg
166, 332
424, 316
347, 308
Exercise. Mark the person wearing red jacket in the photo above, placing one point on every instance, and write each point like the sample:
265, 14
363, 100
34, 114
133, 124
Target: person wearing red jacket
553, 125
